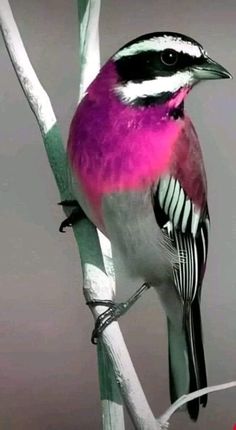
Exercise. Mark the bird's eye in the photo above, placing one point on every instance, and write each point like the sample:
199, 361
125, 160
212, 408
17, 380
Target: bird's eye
169, 57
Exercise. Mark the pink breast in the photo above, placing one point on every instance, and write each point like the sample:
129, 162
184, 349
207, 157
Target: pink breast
114, 147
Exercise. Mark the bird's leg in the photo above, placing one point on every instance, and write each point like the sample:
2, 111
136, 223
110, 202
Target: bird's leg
114, 311
76, 215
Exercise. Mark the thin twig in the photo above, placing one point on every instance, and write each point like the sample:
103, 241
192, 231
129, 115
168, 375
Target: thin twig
164, 419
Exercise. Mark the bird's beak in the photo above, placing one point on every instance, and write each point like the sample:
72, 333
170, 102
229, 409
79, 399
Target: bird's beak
210, 70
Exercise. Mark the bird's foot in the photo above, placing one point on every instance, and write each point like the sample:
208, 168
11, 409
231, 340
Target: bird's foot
76, 215
114, 311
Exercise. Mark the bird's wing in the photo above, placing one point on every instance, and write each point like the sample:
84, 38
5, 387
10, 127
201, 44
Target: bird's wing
185, 224
185, 227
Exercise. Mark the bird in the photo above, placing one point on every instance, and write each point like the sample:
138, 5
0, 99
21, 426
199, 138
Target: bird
137, 173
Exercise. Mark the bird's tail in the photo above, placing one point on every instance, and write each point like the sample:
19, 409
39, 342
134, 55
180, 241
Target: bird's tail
186, 358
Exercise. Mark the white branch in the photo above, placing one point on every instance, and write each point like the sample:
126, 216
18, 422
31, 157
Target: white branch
89, 44
37, 97
164, 419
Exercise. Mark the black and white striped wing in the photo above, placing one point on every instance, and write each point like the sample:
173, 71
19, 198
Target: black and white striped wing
185, 227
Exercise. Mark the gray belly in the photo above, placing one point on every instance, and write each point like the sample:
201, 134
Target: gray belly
139, 247
137, 241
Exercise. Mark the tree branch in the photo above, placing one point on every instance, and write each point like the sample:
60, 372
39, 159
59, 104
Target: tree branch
164, 419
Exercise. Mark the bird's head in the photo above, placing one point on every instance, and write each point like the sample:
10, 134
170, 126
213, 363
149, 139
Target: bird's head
162, 67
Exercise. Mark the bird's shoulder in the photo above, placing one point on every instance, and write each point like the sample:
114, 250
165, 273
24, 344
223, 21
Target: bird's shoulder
187, 164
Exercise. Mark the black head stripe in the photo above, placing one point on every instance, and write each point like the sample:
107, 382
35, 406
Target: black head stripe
139, 67
147, 65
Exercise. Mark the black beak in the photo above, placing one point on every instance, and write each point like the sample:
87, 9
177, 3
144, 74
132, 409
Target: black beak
209, 69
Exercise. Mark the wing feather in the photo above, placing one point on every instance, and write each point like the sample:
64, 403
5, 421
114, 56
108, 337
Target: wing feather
187, 228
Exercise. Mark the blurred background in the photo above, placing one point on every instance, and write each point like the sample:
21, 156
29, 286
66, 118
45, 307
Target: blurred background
48, 374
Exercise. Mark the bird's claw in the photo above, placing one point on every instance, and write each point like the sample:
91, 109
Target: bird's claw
114, 311
76, 215
66, 223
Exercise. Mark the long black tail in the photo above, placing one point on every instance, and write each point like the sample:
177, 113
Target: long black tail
196, 358
188, 375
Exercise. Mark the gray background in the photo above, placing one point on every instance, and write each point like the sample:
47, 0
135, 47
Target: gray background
48, 378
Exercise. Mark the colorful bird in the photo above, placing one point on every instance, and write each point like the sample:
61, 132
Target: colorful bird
138, 174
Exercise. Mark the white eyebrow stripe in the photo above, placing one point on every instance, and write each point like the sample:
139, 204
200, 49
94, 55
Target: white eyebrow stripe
162, 84
159, 44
